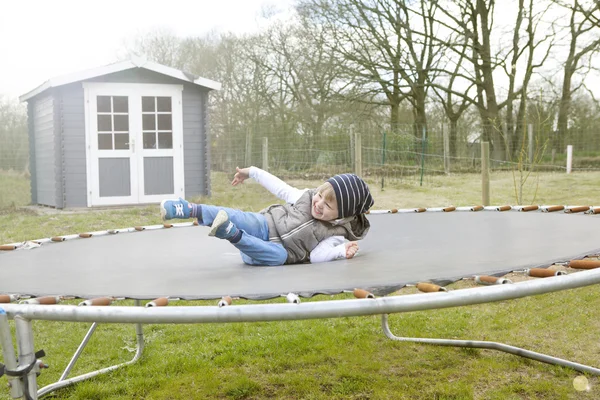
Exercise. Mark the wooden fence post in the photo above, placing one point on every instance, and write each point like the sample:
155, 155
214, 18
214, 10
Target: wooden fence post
357, 153
265, 154
248, 155
446, 137
485, 173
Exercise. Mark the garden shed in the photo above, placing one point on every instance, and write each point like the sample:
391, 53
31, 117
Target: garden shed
133, 132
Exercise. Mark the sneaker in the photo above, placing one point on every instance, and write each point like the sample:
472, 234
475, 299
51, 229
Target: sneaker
170, 209
222, 227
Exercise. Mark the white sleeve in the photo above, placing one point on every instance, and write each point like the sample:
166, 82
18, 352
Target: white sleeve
276, 186
332, 248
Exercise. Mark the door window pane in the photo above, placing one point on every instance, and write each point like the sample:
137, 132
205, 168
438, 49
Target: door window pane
165, 140
148, 104
103, 104
120, 104
164, 122
105, 141
121, 141
149, 122
163, 104
149, 140
104, 123
122, 123
112, 122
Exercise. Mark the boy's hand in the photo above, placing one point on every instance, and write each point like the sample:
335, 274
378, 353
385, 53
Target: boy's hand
240, 176
351, 249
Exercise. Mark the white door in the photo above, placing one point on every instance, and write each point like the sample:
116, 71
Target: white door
134, 143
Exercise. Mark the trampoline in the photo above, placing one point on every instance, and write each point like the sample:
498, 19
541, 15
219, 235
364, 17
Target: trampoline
404, 247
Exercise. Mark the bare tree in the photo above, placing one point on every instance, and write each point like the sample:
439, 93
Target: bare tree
297, 60
14, 152
159, 45
445, 88
584, 41
385, 49
523, 58
473, 19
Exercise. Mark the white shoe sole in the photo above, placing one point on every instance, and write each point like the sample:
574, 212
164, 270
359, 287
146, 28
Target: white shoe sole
219, 220
163, 210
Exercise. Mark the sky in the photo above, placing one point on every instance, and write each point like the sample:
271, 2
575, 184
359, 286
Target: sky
44, 39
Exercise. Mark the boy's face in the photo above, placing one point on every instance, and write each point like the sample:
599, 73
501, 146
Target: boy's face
322, 209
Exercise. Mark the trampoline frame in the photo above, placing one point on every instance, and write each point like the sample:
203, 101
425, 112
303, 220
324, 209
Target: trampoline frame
29, 364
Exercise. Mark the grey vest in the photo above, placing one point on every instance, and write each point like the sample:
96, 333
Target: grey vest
294, 227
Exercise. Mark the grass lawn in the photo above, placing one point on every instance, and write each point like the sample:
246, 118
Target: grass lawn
343, 358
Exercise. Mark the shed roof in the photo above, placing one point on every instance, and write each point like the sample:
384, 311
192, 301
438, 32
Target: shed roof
134, 62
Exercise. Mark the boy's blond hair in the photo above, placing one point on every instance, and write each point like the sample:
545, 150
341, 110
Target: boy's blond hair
326, 190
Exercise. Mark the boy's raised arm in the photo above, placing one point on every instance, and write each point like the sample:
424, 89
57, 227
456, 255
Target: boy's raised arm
270, 182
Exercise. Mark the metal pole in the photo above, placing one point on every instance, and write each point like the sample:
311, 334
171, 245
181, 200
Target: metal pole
75, 357
8, 353
62, 382
485, 173
26, 354
491, 346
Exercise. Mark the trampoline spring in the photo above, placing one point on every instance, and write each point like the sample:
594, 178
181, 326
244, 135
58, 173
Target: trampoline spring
578, 209
86, 235
7, 247
98, 301
45, 300
167, 225
361, 293
470, 208
8, 298
595, 210
584, 264
159, 302
430, 287
139, 228
441, 209
504, 208
552, 208
58, 239
491, 280
225, 301
543, 272
292, 298
527, 208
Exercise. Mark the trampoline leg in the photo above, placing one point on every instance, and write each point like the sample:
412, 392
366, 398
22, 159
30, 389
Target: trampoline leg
8, 353
491, 346
27, 356
62, 382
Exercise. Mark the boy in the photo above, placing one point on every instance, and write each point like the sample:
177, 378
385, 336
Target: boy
311, 227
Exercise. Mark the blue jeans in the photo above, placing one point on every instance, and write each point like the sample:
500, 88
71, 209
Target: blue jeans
254, 245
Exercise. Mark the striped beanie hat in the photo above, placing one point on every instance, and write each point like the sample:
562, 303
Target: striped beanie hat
352, 195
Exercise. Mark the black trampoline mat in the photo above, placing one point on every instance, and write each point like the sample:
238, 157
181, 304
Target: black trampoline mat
400, 249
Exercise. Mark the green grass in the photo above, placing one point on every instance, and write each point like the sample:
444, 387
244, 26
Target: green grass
344, 358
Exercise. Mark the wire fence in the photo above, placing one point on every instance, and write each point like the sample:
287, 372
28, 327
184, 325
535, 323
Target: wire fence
399, 155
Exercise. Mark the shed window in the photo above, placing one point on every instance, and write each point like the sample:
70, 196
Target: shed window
113, 122
157, 122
